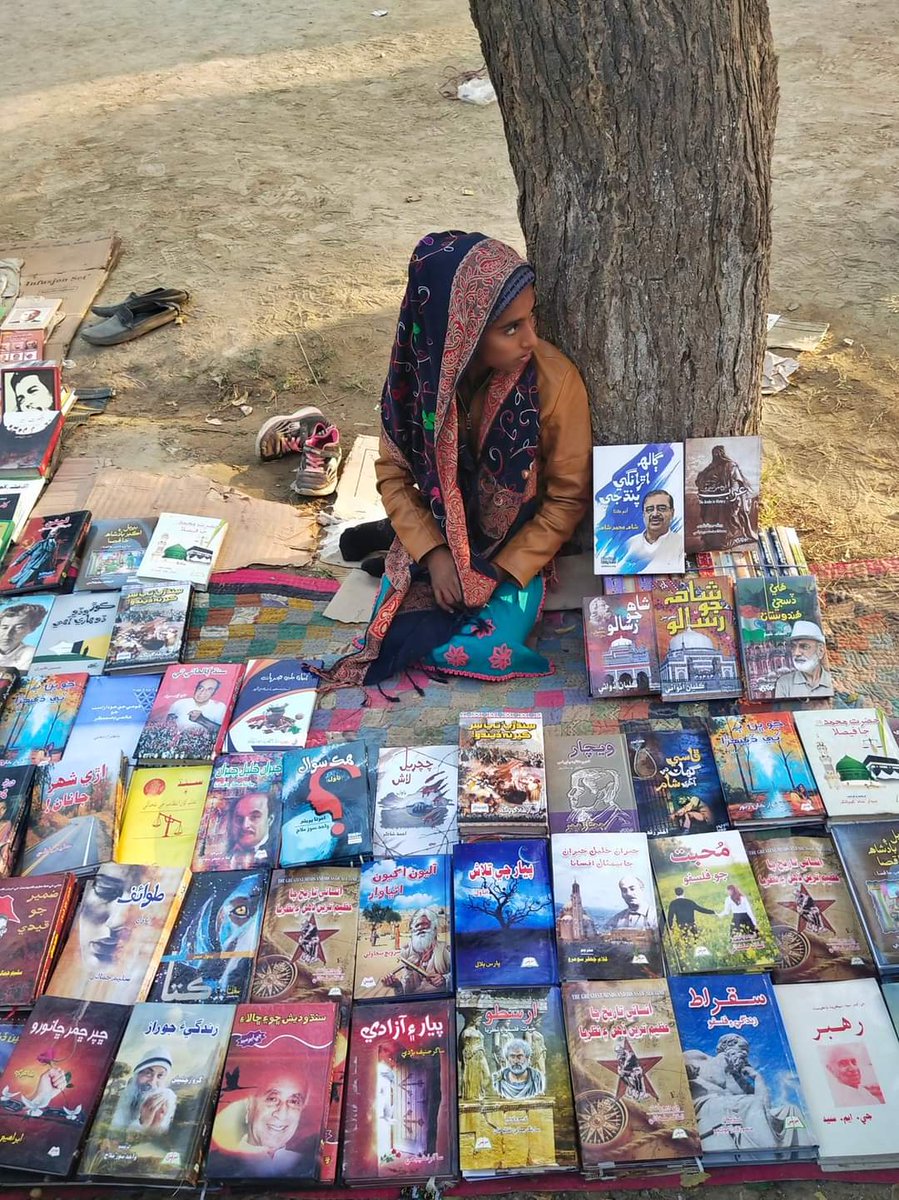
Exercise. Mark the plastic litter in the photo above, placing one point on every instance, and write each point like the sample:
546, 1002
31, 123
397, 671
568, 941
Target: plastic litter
477, 91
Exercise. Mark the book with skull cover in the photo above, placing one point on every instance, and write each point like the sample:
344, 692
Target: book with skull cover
588, 784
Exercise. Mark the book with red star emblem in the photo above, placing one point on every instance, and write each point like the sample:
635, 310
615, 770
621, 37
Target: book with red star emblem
631, 1095
34, 916
326, 811
810, 908
502, 776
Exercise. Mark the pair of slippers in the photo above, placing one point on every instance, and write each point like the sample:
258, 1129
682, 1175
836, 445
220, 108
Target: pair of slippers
138, 313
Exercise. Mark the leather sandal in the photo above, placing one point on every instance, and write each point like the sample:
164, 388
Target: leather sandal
128, 323
158, 295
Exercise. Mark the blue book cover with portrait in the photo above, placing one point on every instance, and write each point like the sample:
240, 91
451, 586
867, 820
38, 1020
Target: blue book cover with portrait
638, 509
743, 1080
503, 914
326, 810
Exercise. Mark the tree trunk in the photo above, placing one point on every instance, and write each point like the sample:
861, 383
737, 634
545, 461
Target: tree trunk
640, 135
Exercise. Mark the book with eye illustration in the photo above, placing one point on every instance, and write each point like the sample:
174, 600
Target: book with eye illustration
241, 822
588, 784
416, 801
696, 637
502, 776
675, 780
34, 918
162, 813
620, 645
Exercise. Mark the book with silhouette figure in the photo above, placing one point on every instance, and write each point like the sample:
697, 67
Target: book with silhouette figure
620, 645
722, 479
149, 628
45, 554
588, 785
416, 801
34, 917
326, 810
162, 813
241, 822
675, 780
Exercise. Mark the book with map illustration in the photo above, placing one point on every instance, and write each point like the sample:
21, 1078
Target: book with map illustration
502, 778
696, 637
855, 761
638, 509
675, 781
416, 801
782, 639
620, 646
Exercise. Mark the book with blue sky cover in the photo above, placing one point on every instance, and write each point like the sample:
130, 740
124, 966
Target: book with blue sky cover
638, 509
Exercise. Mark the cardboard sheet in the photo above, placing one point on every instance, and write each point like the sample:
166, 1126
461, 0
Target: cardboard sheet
354, 601
357, 496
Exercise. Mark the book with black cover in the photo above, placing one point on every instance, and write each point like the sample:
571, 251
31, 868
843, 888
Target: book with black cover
149, 628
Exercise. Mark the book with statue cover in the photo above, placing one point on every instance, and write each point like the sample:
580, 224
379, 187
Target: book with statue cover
620, 646
781, 638
241, 822
638, 509
325, 805
697, 639
34, 918
588, 784
675, 780
112, 553
416, 801
722, 480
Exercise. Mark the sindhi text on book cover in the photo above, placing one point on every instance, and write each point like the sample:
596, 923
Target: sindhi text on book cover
274, 706
638, 509
112, 553
76, 636
190, 713
15, 800
588, 785
45, 552
620, 645
697, 639
38, 717
183, 548
782, 641
326, 809
855, 760
722, 478
241, 822
149, 628
502, 777
869, 852
675, 780
416, 801
34, 917
273, 1103
162, 814
400, 1116
115, 709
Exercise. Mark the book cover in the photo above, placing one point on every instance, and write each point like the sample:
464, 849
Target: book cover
638, 509
400, 1123
271, 1109
209, 956
16, 785
697, 640
158, 1099
76, 635
33, 919
149, 628
31, 421
854, 758
30, 313
17, 499
183, 548
416, 801
325, 805
36, 721
782, 640
22, 621
714, 917
515, 1106
330, 1142
722, 479
112, 553
588, 784
607, 926
743, 1080
115, 709
10, 1032
631, 1095
52, 1083
307, 950
162, 813
503, 914
502, 776
18, 348
274, 707
810, 908
404, 946
675, 780
869, 852
763, 771
620, 645
45, 553
241, 820
190, 713
889, 991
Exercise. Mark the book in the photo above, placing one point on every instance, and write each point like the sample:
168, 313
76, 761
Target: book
330, 1142
115, 709
869, 852
155, 1110
416, 801
810, 908
272, 1106
6, 534
631, 1095
274, 707
22, 621
30, 313
404, 945
588, 785
209, 955
150, 626
502, 777
781, 638
325, 806
52, 1083
714, 917
163, 807
76, 635
400, 1123
855, 761
848, 1061
889, 991
307, 950
515, 1106
607, 926
16, 784
34, 916
763, 772
112, 553
37, 719
745, 1088
45, 553
183, 548
722, 480
638, 509
503, 914
620, 645
10, 1032
241, 820
697, 640
21, 347
675, 780
190, 713
17, 498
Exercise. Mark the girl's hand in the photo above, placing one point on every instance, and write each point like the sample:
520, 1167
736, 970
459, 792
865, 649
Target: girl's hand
444, 579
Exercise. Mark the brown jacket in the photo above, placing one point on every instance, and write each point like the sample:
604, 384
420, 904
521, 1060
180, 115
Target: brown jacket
563, 476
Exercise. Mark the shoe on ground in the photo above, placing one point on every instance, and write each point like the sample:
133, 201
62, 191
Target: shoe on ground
126, 324
160, 295
283, 435
319, 462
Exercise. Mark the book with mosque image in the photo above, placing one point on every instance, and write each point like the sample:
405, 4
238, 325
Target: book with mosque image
241, 822
514, 1088
696, 637
162, 813
810, 908
588, 785
16, 784
400, 1115
745, 1087
150, 626
675, 781
76, 636
53, 1080
855, 760
722, 479
112, 553
631, 1096
416, 801
638, 509
325, 805
154, 1114
620, 646
502, 777
307, 950
607, 926
183, 548
34, 918
190, 714
869, 852
274, 706
404, 947
38, 717
782, 639
45, 553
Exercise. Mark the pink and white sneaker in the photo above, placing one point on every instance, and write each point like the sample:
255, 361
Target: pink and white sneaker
319, 461
283, 435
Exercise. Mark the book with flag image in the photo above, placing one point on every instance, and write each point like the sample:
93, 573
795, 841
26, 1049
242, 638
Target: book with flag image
416, 801
782, 641
34, 917
588, 785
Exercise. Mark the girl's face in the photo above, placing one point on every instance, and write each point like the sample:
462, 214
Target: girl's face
509, 341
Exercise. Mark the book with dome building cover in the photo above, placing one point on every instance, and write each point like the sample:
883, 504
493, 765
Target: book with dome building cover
620, 643
696, 638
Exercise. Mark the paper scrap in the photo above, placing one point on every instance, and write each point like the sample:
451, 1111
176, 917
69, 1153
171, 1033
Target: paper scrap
787, 334
352, 604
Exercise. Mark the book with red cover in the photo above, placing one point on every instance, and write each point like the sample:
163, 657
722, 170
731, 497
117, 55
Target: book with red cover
30, 421
241, 822
34, 914
620, 645
190, 714
46, 553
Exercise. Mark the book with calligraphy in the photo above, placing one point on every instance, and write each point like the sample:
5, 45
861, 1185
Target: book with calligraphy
400, 1114
154, 1115
149, 629
76, 635
588, 785
749, 1104
416, 801
515, 1107
503, 914
810, 908
52, 1083
325, 805
329, 1148
782, 639
241, 821
869, 852
10, 1032
183, 548
162, 813
112, 553
37, 719
696, 636
675, 780
190, 713
274, 706
502, 775
34, 917
45, 554
620, 646
722, 479
307, 950
638, 509
855, 761
115, 710
713, 912
16, 784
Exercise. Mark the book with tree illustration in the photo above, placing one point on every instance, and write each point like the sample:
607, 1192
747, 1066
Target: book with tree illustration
37, 719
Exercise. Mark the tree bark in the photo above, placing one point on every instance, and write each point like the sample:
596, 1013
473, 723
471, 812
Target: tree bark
640, 135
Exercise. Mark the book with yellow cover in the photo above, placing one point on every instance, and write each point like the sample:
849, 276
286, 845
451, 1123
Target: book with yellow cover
162, 814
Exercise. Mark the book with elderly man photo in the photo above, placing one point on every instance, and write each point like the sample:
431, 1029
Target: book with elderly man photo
782, 639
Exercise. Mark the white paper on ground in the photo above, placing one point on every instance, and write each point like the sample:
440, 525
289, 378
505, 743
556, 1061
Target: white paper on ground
353, 603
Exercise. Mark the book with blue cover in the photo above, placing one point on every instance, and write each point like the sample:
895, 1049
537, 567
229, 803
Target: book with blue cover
274, 706
326, 811
638, 509
115, 709
675, 780
38, 717
503, 914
